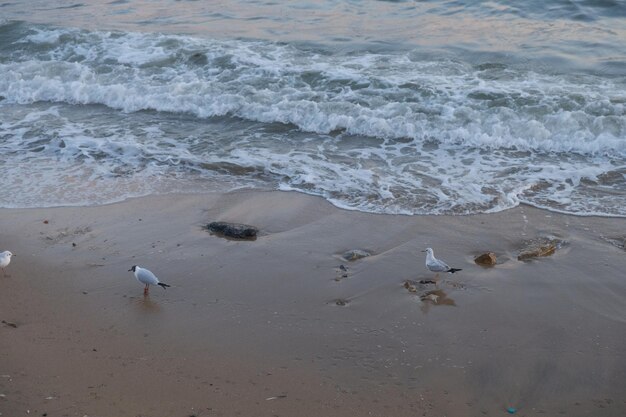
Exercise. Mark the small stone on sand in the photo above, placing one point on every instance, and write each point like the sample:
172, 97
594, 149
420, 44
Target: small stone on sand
486, 259
354, 254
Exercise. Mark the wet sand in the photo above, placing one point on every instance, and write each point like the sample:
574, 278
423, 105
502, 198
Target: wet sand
253, 328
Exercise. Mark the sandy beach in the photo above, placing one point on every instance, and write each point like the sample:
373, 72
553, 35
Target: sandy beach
351, 136
273, 327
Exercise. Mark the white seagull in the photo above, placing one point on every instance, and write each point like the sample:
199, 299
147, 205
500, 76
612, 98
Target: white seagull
436, 265
145, 276
5, 260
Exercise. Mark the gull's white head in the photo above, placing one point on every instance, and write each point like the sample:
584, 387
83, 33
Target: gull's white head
429, 251
5, 260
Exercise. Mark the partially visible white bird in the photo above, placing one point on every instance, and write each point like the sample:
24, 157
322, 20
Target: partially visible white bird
5, 260
436, 265
145, 276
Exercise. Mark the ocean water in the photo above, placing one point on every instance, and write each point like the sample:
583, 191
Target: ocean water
412, 107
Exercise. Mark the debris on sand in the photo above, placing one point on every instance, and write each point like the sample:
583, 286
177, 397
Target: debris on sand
422, 284
275, 398
409, 285
618, 242
66, 233
437, 297
10, 324
430, 296
342, 272
427, 294
539, 247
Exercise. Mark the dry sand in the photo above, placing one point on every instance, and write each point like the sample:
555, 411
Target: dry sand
252, 328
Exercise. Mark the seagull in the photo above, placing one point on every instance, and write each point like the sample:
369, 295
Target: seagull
145, 276
5, 260
435, 265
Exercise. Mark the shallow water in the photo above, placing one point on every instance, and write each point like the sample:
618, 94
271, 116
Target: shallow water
384, 106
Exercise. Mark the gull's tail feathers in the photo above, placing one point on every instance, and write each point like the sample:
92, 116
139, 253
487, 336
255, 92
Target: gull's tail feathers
160, 284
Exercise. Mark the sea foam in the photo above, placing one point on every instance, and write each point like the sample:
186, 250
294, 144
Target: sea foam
386, 96
132, 114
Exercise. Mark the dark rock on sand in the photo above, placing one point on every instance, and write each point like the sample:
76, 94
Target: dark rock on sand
341, 302
354, 254
539, 247
233, 230
486, 259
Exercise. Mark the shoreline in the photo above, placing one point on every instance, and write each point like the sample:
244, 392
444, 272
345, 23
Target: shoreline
244, 190
255, 328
